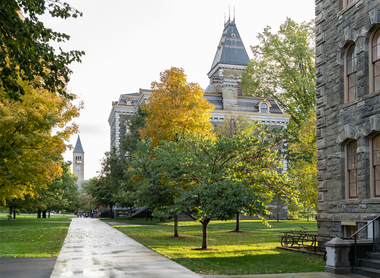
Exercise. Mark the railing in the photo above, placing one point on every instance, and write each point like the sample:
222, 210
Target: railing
361, 229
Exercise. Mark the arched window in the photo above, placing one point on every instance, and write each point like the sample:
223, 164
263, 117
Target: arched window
352, 169
264, 108
351, 72
376, 164
376, 60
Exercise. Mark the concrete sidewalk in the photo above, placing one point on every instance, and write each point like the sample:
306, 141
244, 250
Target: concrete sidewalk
95, 249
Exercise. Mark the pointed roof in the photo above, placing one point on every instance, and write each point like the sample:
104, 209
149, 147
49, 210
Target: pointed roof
78, 146
231, 49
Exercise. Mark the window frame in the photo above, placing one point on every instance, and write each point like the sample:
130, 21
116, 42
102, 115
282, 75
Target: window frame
373, 166
350, 170
373, 62
349, 74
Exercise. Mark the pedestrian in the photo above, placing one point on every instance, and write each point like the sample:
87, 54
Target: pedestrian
76, 215
149, 215
92, 213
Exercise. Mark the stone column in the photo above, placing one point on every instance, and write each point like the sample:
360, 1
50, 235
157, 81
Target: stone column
337, 256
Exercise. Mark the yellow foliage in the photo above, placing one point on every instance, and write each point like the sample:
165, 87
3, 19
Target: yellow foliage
29, 152
176, 107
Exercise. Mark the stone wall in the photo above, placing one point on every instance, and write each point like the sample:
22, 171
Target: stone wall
339, 121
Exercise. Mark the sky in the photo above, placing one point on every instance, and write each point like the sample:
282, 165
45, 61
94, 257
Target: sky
129, 42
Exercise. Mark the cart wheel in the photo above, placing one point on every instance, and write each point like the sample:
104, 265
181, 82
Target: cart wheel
308, 241
287, 241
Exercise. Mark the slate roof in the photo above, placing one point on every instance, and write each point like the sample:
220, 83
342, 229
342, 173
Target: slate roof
124, 97
78, 146
231, 49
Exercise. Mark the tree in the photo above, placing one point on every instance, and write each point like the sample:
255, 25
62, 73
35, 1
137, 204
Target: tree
212, 177
302, 172
232, 125
62, 194
175, 107
25, 49
105, 188
29, 151
283, 68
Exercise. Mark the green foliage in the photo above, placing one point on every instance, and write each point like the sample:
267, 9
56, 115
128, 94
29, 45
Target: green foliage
209, 178
235, 124
283, 68
25, 46
61, 195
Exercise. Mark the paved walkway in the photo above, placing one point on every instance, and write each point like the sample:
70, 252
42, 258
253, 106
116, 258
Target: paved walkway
94, 249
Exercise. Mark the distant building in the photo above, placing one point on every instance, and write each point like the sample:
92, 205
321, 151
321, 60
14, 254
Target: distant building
78, 163
224, 92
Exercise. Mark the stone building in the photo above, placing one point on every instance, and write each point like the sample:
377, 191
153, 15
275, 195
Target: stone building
224, 92
348, 110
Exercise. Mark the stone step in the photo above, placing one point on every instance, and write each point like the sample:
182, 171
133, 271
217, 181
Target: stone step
373, 256
366, 271
370, 263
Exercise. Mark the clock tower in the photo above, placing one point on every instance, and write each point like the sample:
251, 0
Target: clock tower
78, 161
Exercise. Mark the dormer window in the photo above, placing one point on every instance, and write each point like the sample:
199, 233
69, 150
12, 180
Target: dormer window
264, 106
128, 101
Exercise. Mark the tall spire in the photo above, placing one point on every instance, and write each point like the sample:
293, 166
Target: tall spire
78, 146
231, 49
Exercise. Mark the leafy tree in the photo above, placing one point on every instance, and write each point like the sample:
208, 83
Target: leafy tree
29, 151
302, 172
105, 188
62, 194
25, 49
283, 68
175, 107
212, 178
130, 140
236, 124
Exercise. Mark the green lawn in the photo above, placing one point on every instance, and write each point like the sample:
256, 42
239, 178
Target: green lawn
31, 239
251, 252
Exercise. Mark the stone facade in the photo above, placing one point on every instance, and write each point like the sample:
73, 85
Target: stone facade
345, 117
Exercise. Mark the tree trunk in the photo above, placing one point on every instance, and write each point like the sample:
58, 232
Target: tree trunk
10, 211
49, 214
162, 219
14, 213
44, 214
204, 238
39, 213
175, 225
111, 206
237, 222
277, 216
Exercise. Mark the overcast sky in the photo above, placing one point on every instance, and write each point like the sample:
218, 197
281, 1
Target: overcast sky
128, 43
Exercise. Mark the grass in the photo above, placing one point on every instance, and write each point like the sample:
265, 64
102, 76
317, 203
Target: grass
31, 239
252, 251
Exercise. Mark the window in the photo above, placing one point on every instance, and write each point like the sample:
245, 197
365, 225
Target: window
352, 170
376, 60
264, 108
351, 72
376, 164
347, 2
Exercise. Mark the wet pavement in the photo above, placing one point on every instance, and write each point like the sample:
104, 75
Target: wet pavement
26, 267
95, 249
92, 248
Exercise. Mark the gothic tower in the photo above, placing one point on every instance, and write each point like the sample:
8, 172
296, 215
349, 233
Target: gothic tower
78, 161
